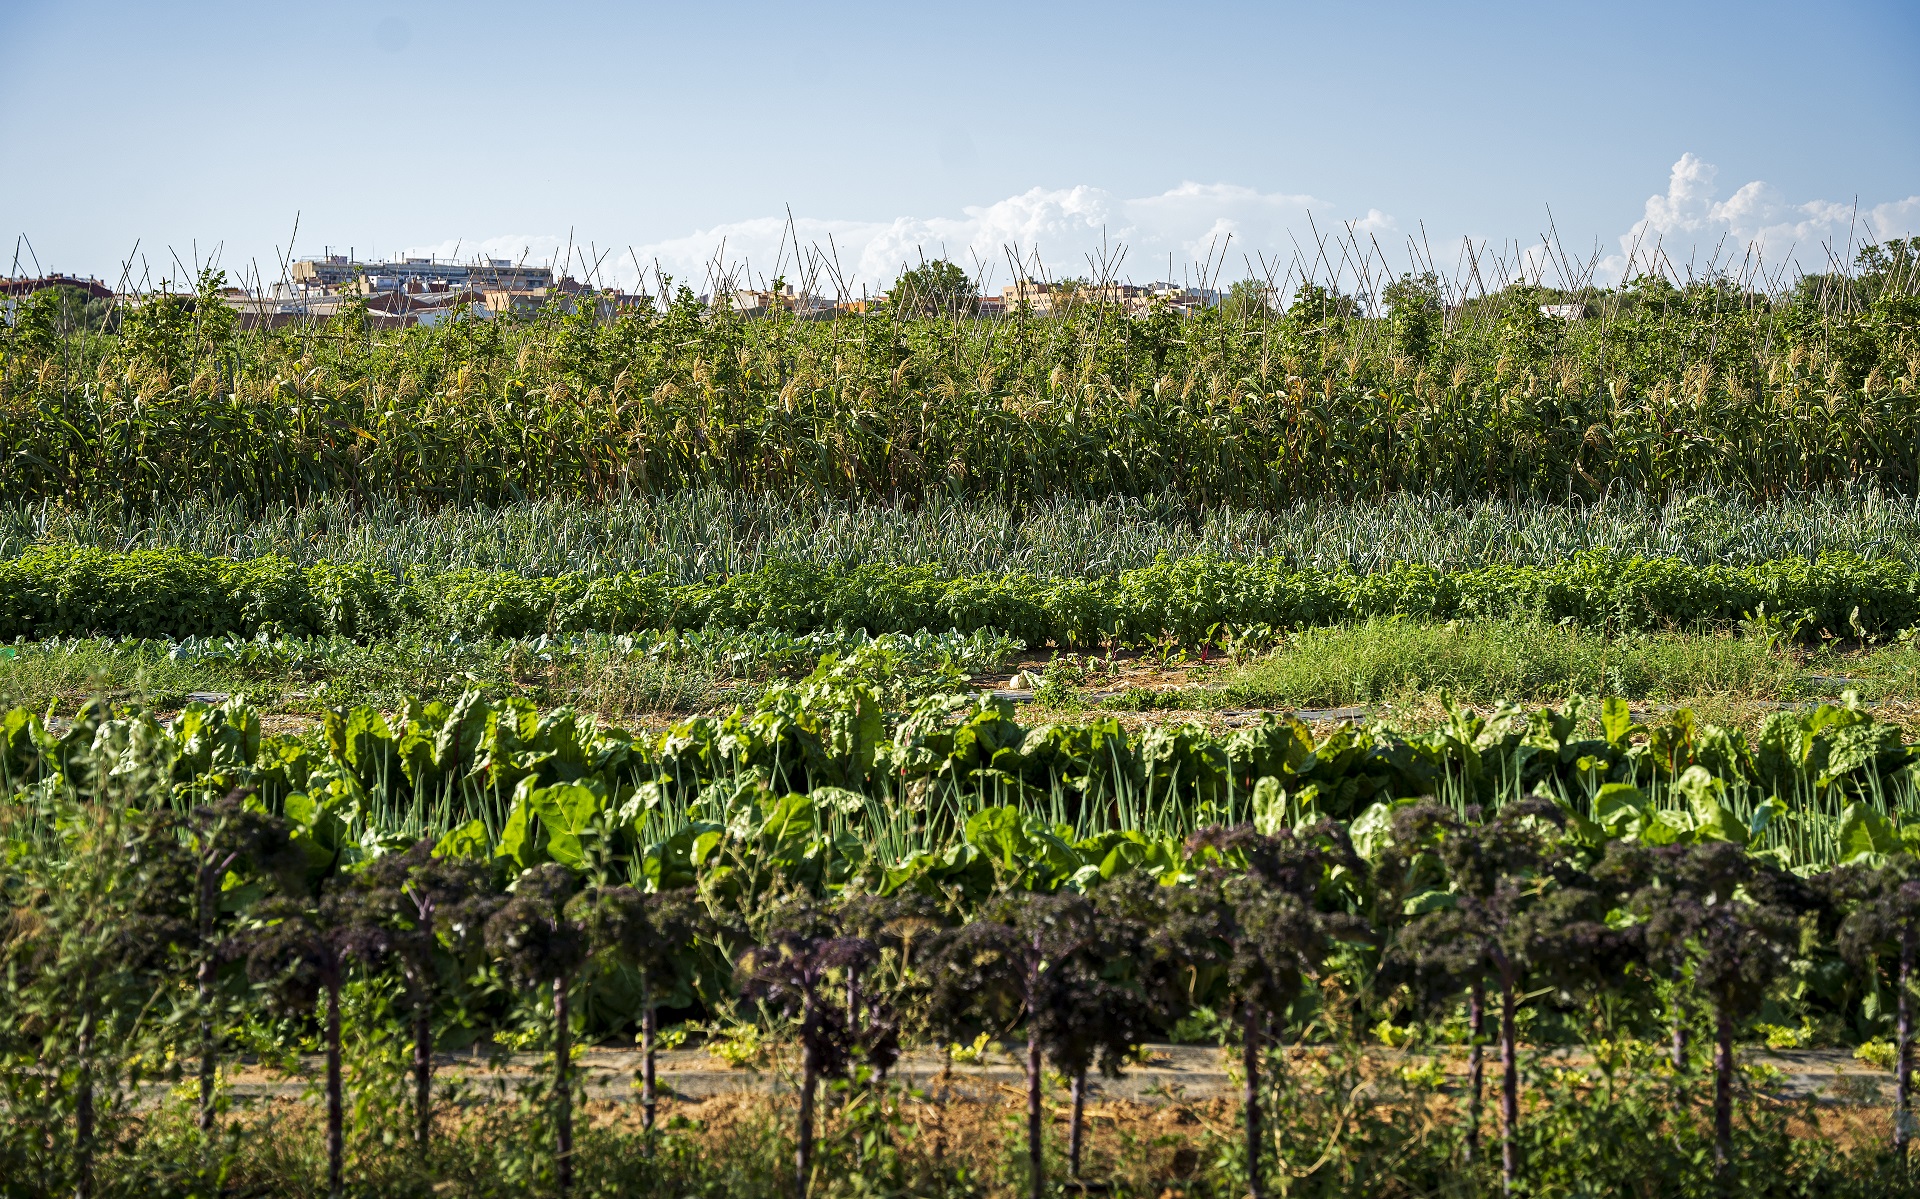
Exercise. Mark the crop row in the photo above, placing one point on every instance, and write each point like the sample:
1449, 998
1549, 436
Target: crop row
704, 531
862, 779
748, 866
1682, 389
51, 591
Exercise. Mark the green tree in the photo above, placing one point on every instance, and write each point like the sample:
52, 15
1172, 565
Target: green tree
1248, 300
937, 288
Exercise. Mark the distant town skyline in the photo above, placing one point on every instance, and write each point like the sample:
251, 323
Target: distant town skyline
654, 135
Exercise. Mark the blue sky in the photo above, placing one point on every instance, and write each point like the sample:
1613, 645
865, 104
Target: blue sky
660, 132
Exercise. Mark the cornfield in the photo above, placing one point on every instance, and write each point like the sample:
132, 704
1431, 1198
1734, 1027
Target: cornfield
1663, 389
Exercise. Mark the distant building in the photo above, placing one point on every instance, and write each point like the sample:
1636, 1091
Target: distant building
95, 289
1182, 299
1038, 297
756, 304
502, 302
1042, 299
565, 294
274, 310
335, 272
386, 310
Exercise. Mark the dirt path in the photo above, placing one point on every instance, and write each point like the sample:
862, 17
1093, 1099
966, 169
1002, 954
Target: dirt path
1170, 1074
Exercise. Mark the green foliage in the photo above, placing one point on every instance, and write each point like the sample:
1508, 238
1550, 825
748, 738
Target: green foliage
54, 318
903, 854
934, 289
1092, 924
690, 535
1248, 300
1661, 388
98, 900
1415, 316
48, 592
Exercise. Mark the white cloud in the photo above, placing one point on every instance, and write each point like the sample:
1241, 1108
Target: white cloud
1049, 230
1175, 233
1756, 229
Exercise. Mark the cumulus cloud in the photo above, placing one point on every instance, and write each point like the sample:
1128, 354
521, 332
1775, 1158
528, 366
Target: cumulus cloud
1064, 231
1756, 228
1061, 231
1218, 230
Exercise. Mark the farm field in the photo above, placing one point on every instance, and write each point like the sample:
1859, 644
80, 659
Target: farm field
1484, 746
1403, 671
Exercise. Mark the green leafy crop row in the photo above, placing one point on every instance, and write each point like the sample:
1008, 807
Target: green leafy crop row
841, 778
59, 591
861, 876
